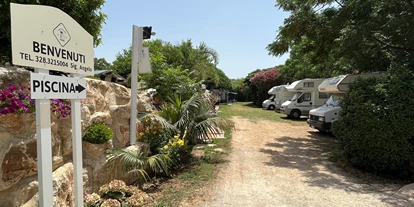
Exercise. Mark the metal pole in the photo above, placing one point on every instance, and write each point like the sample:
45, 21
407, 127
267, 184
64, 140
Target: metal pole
77, 148
44, 149
136, 57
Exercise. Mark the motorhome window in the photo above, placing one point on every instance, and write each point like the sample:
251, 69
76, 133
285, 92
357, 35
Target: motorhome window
272, 98
333, 101
308, 84
307, 97
296, 96
323, 95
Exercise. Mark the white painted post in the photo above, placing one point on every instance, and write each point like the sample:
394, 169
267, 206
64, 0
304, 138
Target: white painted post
77, 148
136, 56
44, 149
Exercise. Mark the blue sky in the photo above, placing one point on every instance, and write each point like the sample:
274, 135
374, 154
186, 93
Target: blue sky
238, 30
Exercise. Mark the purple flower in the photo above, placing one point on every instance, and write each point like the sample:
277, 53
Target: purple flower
12, 88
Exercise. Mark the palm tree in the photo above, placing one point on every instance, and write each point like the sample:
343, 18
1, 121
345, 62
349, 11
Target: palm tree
137, 162
193, 119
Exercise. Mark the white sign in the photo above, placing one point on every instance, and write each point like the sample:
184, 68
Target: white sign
145, 62
47, 38
43, 86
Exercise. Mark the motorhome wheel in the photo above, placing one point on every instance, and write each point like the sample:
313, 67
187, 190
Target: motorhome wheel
295, 114
271, 107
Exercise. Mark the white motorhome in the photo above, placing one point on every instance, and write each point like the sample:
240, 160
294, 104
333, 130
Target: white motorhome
322, 118
279, 94
306, 97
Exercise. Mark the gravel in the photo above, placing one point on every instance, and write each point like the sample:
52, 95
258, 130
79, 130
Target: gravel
278, 164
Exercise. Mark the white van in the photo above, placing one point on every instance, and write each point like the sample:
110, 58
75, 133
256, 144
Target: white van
322, 118
306, 97
279, 94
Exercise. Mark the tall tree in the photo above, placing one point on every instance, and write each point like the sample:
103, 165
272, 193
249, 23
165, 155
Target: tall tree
200, 62
87, 13
349, 35
101, 64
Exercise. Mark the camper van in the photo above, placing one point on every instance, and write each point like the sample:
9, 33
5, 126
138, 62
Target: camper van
306, 97
322, 118
278, 95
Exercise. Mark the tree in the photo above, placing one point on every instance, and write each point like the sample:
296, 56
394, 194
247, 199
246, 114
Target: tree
263, 81
193, 119
87, 13
101, 64
349, 35
191, 66
122, 62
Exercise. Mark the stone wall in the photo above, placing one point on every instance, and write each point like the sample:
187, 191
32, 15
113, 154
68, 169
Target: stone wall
105, 103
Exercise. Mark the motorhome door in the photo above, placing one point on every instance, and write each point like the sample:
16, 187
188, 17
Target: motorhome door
304, 103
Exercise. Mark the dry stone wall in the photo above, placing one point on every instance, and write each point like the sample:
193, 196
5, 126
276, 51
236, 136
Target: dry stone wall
107, 103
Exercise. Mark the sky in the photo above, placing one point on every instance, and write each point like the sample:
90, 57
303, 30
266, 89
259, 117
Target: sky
238, 30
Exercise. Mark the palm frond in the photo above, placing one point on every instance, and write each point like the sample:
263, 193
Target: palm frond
164, 123
127, 159
208, 127
140, 173
160, 163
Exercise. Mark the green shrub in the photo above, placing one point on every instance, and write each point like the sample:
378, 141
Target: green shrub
376, 126
98, 134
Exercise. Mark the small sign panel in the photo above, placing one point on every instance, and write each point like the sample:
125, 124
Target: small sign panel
44, 86
47, 38
145, 62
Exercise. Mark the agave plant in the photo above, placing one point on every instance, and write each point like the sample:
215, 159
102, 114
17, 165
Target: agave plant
193, 119
136, 162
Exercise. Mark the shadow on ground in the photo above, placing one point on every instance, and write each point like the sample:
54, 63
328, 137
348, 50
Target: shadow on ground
301, 119
310, 156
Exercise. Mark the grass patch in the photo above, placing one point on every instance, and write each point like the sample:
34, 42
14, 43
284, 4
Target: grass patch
254, 113
196, 175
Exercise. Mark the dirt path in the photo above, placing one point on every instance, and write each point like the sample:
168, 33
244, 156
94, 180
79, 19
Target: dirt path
277, 164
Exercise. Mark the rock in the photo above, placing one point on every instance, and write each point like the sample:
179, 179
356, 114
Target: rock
57, 162
198, 153
144, 102
94, 151
18, 125
63, 186
407, 190
85, 114
19, 161
219, 150
25, 193
65, 136
100, 118
120, 111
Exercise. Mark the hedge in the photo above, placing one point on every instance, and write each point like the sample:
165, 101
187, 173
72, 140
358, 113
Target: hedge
376, 124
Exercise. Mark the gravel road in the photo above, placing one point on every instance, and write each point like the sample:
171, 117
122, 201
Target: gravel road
278, 164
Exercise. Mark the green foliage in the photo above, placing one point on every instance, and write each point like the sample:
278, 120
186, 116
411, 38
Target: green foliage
153, 133
171, 81
87, 13
330, 37
122, 62
136, 162
101, 64
177, 150
182, 65
242, 90
376, 123
98, 134
193, 119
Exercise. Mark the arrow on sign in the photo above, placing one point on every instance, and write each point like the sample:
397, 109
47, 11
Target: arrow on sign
50, 87
80, 88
